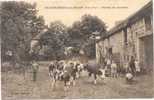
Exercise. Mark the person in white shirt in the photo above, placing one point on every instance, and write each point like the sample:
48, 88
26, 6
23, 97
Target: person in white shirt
137, 67
126, 67
108, 64
129, 77
35, 67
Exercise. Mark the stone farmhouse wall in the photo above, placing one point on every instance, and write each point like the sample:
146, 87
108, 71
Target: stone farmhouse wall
133, 37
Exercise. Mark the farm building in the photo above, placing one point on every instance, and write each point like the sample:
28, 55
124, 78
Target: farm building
131, 37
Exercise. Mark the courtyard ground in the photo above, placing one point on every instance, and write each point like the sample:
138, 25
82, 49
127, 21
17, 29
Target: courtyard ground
16, 87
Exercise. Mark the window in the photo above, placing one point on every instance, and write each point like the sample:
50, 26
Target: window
125, 36
110, 50
148, 25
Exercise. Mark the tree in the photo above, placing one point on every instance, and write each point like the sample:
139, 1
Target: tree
55, 40
81, 31
19, 25
90, 24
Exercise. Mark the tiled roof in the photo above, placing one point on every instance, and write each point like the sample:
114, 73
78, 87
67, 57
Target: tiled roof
130, 19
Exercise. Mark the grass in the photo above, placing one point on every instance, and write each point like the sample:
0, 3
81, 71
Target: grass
15, 86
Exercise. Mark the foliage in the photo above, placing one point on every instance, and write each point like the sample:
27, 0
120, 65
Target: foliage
19, 25
58, 37
81, 31
54, 40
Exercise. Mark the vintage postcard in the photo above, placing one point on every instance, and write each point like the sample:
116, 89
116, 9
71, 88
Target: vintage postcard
76, 49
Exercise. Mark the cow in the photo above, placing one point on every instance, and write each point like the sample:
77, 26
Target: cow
70, 72
62, 71
79, 68
53, 72
94, 69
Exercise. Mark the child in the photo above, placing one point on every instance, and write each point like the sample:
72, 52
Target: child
114, 69
129, 77
109, 66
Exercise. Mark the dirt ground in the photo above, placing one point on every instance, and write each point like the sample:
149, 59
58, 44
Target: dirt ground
16, 87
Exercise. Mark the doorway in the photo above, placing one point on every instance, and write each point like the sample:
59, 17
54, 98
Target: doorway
146, 52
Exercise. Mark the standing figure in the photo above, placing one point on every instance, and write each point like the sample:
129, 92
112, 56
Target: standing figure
132, 65
35, 68
129, 77
108, 64
126, 67
137, 67
114, 69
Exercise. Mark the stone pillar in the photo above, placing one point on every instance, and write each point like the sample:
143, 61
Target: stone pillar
97, 53
151, 18
137, 49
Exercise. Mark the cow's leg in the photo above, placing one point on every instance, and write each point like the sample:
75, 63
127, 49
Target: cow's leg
70, 81
103, 73
60, 76
89, 74
52, 79
73, 81
49, 74
112, 74
53, 82
65, 85
95, 77
117, 74
77, 74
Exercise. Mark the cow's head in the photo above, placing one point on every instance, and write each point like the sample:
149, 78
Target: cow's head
35, 47
85, 66
102, 73
80, 67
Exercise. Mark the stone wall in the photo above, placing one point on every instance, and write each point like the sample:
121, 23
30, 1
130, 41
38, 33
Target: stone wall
133, 37
133, 47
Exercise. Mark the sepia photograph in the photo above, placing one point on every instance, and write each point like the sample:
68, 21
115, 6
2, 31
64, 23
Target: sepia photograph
76, 49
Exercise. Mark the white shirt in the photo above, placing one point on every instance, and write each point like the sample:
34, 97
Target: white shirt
113, 67
108, 62
137, 66
129, 75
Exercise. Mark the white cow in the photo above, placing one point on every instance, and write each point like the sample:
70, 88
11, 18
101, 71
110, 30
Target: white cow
34, 46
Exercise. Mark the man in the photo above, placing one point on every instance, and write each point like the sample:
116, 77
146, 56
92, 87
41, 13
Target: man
35, 68
132, 65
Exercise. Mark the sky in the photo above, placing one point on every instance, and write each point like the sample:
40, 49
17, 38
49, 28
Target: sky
109, 11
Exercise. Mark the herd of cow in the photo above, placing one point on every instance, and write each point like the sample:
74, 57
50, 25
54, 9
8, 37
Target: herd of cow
69, 71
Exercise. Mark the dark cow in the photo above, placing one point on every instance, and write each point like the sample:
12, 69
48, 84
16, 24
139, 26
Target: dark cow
94, 69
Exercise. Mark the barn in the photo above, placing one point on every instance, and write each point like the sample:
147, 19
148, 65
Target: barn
131, 37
